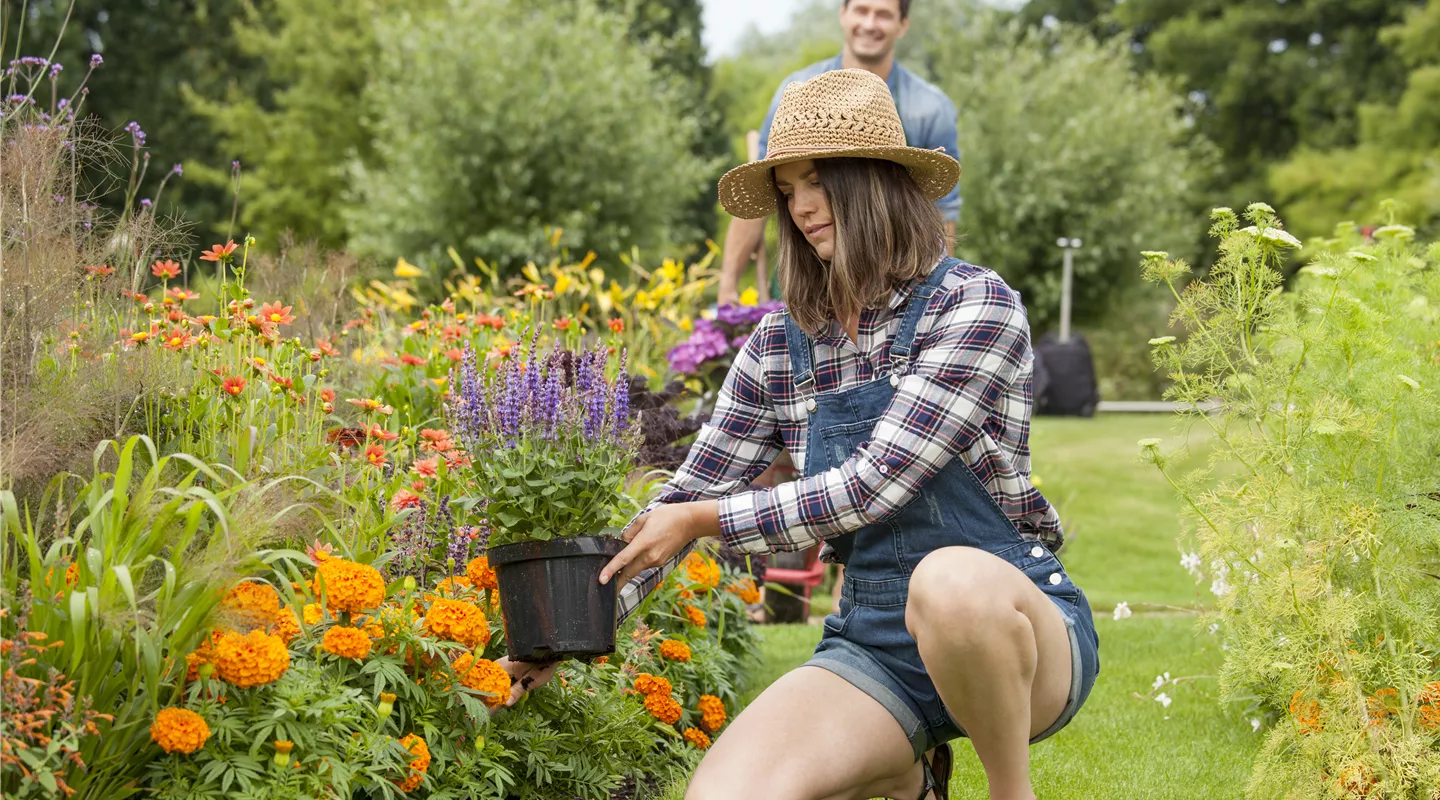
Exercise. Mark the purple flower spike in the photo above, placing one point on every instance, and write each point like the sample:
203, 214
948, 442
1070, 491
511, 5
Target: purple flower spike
96, 61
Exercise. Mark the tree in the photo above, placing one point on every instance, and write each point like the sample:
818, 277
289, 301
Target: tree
1060, 138
1398, 153
1263, 77
558, 120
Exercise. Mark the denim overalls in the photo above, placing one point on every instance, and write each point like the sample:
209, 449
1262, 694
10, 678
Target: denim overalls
867, 643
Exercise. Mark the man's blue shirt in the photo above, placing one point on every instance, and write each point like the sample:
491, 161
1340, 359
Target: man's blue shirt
926, 114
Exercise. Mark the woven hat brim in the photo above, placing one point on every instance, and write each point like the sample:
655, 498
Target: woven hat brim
748, 192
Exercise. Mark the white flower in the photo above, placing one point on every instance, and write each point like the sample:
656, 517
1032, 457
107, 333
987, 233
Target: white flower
1191, 563
1214, 628
1160, 680
1219, 587
1163, 699
1122, 611
1255, 724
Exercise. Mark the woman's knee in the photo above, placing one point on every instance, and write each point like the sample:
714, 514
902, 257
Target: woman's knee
958, 589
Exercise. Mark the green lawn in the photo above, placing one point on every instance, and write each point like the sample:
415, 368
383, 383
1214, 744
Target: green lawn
1122, 525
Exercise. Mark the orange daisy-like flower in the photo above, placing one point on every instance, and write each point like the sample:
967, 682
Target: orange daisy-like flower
326, 348
712, 712
179, 730
701, 570
165, 269
370, 404
412, 360
233, 386
377, 432
276, 314
648, 684
426, 467
1307, 713
697, 737
481, 574
176, 339
458, 621
375, 455
72, 574
485, 676
345, 642
218, 252
405, 499
418, 765
564, 324
663, 707
747, 591
180, 294
101, 271
674, 650
348, 586
695, 615
617, 325
455, 354
254, 659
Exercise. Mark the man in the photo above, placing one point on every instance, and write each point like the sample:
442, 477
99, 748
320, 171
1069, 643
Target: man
871, 29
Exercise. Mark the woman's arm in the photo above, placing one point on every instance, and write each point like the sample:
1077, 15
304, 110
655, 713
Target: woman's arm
977, 344
741, 439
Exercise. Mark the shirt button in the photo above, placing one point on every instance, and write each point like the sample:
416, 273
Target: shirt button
1055, 579
1037, 551
884, 470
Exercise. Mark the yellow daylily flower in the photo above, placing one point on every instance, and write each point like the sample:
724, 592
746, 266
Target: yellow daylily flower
404, 269
686, 324
750, 297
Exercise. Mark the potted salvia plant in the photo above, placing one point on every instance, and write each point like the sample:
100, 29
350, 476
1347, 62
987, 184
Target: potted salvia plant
552, 441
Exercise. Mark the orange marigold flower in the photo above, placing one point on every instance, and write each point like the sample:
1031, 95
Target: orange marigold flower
712, 712
747, 591
674, 650
663, 707
648, 684
458, 621
1307, 713
1431, 693
453, 586
179, 730
285, 625
485, 676
697, 737
254, 659
233, 386
313, 613
218, 252
418, 765
252, 596
481, 575
695, 615
1381, 705
204, 654
72, 574
346, 642
348, 586
702, 570
1357, 780
165, 269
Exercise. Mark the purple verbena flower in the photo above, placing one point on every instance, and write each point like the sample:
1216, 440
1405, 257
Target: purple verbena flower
55, 70
178, 169
96, 60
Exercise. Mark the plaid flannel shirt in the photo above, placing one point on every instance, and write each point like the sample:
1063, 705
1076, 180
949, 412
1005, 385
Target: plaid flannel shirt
966, 394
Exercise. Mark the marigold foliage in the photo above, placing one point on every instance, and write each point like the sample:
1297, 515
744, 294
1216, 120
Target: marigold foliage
179, 730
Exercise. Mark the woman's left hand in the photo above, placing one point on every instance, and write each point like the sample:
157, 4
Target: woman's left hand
657, 536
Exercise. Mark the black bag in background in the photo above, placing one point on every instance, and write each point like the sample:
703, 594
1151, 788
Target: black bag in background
1071, 389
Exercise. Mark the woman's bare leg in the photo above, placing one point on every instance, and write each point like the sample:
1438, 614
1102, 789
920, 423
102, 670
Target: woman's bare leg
810, 736
999, 653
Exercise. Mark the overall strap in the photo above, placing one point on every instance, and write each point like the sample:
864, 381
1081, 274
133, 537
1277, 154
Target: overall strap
900, 349
801, 363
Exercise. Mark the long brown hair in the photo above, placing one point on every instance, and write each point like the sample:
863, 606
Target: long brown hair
886, 233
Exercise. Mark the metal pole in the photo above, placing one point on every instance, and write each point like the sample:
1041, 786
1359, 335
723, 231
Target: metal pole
1067, 285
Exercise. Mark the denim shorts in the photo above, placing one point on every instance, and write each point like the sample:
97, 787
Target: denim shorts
868, 645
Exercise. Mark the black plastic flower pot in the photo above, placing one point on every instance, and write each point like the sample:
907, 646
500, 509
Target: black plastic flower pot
551, 598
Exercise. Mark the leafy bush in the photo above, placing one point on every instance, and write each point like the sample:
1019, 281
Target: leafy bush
1321, 539
558, 119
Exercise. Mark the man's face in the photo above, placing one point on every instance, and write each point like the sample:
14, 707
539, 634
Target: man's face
872, 27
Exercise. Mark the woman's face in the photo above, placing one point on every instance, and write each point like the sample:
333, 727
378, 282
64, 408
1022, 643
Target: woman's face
808, 205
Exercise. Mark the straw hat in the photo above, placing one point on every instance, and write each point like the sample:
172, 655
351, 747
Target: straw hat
842, 113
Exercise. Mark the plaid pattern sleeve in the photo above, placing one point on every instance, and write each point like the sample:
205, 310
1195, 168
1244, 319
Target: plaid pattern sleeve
974, 342
740, 440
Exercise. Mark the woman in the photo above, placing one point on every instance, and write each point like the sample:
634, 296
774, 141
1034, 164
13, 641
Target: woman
900, 380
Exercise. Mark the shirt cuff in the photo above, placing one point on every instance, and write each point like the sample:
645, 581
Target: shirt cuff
739, 525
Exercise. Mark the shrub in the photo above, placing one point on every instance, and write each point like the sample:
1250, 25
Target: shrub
557, 119
1321, 541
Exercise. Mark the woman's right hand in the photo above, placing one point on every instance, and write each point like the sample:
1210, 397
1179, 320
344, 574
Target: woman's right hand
524, 677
